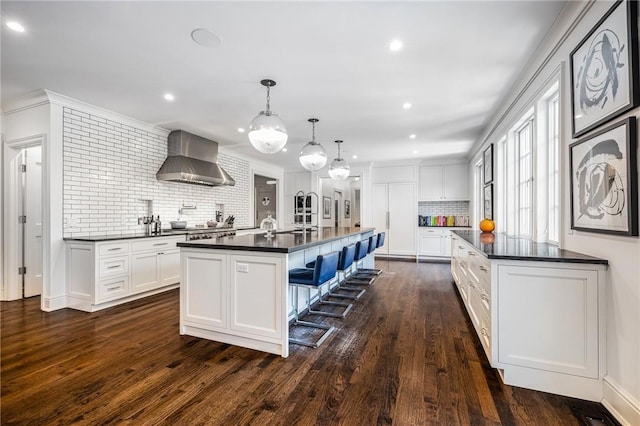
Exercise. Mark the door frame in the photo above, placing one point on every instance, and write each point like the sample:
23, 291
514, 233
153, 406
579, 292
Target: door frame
12, 245
271, 174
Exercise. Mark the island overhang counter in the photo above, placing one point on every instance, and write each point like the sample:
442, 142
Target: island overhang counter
235, 289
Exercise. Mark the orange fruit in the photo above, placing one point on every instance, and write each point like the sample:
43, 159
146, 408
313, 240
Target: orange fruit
487, 225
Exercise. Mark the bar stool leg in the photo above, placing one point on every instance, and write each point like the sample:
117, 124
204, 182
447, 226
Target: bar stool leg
329, 329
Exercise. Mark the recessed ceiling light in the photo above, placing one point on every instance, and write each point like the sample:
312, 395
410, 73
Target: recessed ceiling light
415, 151
412, 136
206, 37
240, 130
15, 26
168, 97
406, 105
354, 156
284, 149
357, 177
395, 45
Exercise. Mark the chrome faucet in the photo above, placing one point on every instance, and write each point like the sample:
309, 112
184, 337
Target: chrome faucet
304, 213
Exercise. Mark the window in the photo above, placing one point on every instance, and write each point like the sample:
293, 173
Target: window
527, 171
524, 173
553, 117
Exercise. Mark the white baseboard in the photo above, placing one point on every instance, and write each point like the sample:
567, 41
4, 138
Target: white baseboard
620, 404
54, 303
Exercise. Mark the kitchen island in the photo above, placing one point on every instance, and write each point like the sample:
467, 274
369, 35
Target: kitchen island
538, 310
235, 289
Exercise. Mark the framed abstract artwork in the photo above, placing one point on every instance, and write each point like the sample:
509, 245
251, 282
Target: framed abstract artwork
487, 161
488, 201
605, 78
604, 180
347, 209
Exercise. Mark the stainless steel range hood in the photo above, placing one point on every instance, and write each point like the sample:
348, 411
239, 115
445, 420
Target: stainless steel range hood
193, 159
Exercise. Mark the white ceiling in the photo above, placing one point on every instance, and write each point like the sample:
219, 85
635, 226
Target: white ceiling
330, 59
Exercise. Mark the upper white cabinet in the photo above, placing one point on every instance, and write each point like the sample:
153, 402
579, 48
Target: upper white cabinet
443, 183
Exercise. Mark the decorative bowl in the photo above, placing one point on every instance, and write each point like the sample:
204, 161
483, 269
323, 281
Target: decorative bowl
212, 223
178, 224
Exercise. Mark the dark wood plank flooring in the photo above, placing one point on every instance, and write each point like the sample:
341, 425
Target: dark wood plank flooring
406, 355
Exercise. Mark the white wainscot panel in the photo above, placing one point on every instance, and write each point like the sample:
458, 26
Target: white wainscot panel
548, 319
204, 289
256, 295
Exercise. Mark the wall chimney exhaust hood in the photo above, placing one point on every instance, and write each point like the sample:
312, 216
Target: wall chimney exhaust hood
193, 159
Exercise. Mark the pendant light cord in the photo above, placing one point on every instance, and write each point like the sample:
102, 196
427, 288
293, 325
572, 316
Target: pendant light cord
339, 143
268, 98
313, 132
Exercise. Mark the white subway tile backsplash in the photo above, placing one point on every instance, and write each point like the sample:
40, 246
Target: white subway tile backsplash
109, 168
444, 208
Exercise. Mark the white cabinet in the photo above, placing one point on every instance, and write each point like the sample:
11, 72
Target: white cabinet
395, 212
541, 323
170, 267
102, 274
144, 271
443, 183
434, 242
235, 298
157, 267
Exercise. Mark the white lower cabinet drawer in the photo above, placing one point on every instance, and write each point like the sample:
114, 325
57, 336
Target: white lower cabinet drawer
113, 266
484, 328
113, 288
120, 247
156, 243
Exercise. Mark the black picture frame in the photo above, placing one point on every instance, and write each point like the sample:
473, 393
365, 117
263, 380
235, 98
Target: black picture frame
599, 94
604, 180
487, 200
487, 161
347, 209
326, 207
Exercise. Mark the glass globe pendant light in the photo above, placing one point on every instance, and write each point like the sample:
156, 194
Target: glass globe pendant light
267, 132
339, 169
313, 156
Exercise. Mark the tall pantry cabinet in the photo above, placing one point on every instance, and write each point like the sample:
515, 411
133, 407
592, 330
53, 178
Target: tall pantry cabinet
395, 208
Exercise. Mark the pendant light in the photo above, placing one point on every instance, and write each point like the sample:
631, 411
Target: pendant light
267, 132
313, 156
339, 169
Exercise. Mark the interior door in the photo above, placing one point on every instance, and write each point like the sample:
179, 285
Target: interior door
32, 202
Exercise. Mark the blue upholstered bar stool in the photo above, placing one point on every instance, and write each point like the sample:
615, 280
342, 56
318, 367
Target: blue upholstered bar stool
362, 250
345, 260
375, 242
313, 278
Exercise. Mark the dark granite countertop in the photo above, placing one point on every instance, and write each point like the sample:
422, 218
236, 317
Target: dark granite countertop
165, 233
285, 242
515, 248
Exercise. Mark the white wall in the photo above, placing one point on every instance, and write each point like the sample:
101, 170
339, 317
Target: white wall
621, 393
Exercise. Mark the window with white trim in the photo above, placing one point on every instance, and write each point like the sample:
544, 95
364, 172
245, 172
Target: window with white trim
527, 172
524, 179
553, 167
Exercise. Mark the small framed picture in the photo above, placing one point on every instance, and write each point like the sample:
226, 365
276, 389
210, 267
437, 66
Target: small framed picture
488, 201
604, 69
347, 209
326, 208
604, 180
487, 161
